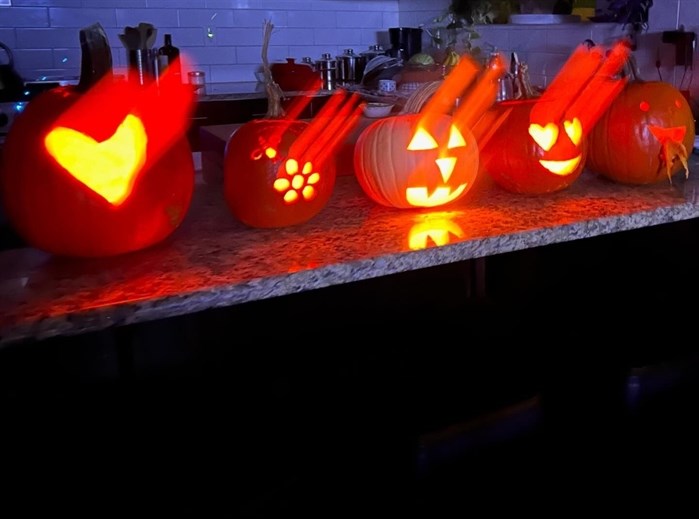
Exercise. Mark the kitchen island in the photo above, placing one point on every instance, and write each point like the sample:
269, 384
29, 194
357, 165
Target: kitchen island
346, 364
213, 261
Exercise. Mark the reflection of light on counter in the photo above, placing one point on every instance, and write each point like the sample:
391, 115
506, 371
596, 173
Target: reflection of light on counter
436, 229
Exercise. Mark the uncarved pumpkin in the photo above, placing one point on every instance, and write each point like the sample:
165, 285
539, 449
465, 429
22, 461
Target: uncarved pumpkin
518, 162
412, 160
643, 136
65, 143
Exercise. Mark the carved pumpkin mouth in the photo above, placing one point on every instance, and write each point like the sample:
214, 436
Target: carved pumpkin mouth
675, 133
561, 167
420, 196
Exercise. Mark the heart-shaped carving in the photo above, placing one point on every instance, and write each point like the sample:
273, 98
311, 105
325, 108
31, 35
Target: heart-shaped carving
544, 136
110, 167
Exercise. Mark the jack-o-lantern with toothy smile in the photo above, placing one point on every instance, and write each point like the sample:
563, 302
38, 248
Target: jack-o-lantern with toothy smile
416, 160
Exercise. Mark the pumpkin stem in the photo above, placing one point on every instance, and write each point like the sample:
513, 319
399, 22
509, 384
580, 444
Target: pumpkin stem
273, 90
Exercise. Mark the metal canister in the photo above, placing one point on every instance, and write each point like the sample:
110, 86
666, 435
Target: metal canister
374, 50
198, 79
327, 68
350, 67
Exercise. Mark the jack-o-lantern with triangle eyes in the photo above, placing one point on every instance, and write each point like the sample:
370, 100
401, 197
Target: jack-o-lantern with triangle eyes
534, 158
644, 136
101, 172
416, 160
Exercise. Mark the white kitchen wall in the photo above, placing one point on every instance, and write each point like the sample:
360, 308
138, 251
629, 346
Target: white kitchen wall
224, 37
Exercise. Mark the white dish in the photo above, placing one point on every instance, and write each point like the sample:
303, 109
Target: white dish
377, 110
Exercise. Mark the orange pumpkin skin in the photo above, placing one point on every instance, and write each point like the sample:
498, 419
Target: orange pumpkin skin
53, 211
260, 185
387, 170
511, 157
622, 146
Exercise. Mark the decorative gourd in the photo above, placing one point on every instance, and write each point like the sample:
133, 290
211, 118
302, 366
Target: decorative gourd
644, 135
413, 160
534, 159
102, 172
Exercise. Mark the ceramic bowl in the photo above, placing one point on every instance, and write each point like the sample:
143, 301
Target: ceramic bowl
375, 110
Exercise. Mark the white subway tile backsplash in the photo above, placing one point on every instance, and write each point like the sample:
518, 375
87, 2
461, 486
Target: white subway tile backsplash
48, 3
204, 17
256, 17
66, 58
70, 17
123, 4
253, 55
18, 17
358, 20
8, 37
28, 59
308, 18
242, 36
224, 37
47, 38
336, 37
176, 3
157, 17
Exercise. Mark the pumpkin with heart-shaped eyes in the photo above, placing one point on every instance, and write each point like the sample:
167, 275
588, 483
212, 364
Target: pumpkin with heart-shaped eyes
533, 158
102, 172
644, 136
416, 160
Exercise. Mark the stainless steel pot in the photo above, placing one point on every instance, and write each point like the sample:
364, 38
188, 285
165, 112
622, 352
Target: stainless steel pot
350, 67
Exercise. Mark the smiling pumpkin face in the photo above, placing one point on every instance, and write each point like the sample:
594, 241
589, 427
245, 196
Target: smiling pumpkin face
645, 135
415, 160
534, 157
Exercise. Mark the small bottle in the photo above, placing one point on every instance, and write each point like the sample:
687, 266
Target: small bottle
168, 56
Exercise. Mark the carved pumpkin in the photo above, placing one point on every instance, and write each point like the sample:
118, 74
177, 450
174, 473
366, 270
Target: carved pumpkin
265, 183
99, 173
532, 158
644, 135
414, 160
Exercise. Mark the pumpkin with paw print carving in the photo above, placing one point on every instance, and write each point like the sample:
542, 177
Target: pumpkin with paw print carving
102, 172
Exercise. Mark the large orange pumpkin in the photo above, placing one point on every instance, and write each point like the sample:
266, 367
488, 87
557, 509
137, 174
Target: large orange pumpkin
99, 173
414, 160
644, 135
534, 159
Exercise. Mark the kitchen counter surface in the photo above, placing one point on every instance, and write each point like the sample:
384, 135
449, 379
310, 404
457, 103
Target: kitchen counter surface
212, 260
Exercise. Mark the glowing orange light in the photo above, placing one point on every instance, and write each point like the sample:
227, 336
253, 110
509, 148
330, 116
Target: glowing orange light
422, 140
481, 95
422, 196
109, 167
438, 231
574, 130
544, 136
297, 182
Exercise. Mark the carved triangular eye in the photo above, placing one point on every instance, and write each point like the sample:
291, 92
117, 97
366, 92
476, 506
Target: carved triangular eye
422, 140
456, 140
544, 136
574, 130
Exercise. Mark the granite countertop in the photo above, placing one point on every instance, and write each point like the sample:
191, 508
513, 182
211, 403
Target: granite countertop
213, 260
